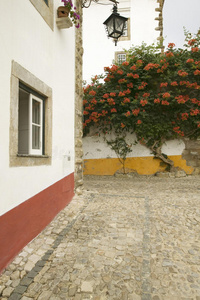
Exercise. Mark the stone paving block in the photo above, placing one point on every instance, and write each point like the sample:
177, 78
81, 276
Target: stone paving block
28, 266
15, 296
37, 269
40, 263
32, 274
26, 281
45, 295
20, 289
7, 291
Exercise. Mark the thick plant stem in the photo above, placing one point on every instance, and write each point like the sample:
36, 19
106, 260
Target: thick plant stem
158, 154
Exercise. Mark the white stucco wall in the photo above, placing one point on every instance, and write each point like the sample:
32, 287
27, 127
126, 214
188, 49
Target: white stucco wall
99, 51
49, 55
95, 147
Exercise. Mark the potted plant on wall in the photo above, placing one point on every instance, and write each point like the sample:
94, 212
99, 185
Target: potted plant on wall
68, 11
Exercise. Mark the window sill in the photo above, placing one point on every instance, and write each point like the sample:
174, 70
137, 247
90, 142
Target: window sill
33, 155
26, 160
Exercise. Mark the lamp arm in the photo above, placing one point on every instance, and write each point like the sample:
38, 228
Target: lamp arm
87, 3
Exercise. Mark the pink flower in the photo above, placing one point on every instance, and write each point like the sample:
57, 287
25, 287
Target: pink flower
166, 95
125, 63
165, 102
169, 54
174, 83
182, 73
195, 49
171, 45
163, 84
135, 112
93, 93
127, 114
143, 102
190, 60
197, 72
192, 42
121, 94
184, 116
133, 68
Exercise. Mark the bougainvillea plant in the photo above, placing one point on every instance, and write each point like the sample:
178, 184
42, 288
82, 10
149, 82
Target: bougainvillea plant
154, 95
72, 12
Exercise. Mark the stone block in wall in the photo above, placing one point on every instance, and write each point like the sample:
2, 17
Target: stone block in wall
192, 144
192, 152
196, 171
185, 153
79, 152
192, 163
79, 143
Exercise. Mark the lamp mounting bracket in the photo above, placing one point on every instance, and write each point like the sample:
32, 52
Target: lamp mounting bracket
87, 3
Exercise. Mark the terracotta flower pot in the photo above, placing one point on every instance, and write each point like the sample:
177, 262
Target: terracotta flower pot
63, 11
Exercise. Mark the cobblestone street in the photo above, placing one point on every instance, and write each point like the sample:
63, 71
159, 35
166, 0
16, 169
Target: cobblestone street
126, 238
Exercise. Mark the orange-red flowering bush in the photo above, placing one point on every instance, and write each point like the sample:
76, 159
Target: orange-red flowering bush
155, 95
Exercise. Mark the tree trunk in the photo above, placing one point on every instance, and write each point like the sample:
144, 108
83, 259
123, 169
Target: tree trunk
158, 154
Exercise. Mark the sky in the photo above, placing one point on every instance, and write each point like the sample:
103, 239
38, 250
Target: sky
178, 14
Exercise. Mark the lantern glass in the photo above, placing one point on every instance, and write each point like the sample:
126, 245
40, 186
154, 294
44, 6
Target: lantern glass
119, 25
110, 27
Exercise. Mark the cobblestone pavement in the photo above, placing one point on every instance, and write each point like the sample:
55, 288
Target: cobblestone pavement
125, 239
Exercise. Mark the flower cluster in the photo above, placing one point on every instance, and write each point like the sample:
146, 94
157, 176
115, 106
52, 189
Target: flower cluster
155, 95
72, 12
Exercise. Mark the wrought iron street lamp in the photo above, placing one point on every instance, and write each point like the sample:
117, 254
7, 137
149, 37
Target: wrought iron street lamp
115, 24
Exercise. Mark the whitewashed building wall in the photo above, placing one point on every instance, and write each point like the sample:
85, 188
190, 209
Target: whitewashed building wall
36, 50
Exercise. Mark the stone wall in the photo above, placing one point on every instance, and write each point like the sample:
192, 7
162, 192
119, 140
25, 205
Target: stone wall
160, 23
192, 154
78, 102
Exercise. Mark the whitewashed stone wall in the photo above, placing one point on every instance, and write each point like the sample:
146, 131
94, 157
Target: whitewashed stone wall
95, 147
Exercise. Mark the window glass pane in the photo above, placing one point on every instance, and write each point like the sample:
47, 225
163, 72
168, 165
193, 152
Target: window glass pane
121, 58
125, 32
46, 1
23, 125
119, 25
110, 27
35, 137
36, 112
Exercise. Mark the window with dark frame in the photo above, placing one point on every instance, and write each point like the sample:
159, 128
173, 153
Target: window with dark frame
31, 122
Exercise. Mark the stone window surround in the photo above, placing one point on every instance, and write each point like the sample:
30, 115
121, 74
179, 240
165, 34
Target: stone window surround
20, 74
116, 54
128, 36
45, 11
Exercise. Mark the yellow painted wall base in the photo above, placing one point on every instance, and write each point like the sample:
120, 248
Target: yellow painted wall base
142, 165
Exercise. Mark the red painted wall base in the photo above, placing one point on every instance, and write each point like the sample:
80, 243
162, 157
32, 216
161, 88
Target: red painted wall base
24, 222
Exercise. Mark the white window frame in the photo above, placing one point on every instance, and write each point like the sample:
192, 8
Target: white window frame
31, 124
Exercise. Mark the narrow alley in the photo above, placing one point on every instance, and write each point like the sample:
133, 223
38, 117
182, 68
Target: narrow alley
124, 238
